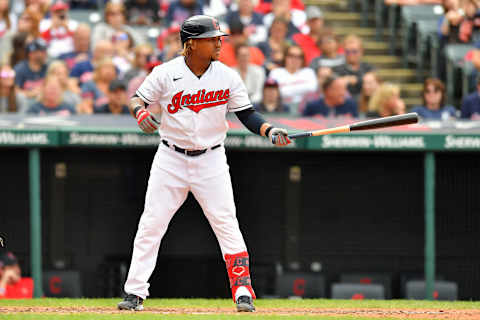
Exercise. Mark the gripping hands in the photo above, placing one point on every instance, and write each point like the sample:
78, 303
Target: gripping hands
146, 121
279, 137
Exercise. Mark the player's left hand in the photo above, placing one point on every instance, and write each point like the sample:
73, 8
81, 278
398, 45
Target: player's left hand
279, 137
146, 121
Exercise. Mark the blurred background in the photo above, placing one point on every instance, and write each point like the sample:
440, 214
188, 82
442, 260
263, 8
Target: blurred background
383, 215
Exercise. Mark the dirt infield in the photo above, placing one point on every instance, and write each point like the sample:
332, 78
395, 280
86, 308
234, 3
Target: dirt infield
394, 313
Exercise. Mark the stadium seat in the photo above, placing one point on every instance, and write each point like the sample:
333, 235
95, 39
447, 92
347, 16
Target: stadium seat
443, 290
455, 54
300, 284
65, 284
385, 279
407, 276
358, 291
425, 30
88, 16
410, 16
380, 10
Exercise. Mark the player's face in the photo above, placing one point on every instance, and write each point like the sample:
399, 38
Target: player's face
209, 48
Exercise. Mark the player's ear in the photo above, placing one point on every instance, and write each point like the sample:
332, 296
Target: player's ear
193, 43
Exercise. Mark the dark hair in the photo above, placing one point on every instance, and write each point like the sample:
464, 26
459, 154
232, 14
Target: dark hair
288, 47
18, 48
329, 81
437, 85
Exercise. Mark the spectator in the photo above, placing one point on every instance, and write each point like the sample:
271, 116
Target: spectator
51, 100
471, 104
135, 83
353, 69
449, 23
114, 25
276, 59
94, 93
330, 56
29, 22
71, 91
123, 53
470, 25
371, 81
117, 99
59, 30
277, 38
271, 99
143, 53
10, 274
82, 71
237, 37
179, 10
252, 75
308, 41
171, 45
265, 6
8, 26
19, 52
294, 79
142, 12
253, 21
30, 73
434, 101
9, 100
386, 101
322, 74
335, 100
81, 47
281, 9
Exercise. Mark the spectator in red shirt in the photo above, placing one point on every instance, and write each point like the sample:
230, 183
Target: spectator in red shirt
10, 272
308, 42
59, 35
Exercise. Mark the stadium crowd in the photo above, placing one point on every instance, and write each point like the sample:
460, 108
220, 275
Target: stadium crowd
291, 61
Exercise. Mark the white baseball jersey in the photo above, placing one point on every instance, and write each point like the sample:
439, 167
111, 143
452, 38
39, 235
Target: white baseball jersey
194, 108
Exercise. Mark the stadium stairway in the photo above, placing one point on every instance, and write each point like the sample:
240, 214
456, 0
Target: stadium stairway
345, 17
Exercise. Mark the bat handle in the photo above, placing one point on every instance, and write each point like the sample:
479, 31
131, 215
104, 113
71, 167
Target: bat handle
300, 135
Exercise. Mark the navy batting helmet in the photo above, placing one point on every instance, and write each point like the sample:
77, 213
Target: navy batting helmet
200, 26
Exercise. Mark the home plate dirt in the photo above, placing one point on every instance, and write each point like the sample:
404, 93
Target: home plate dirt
463, 314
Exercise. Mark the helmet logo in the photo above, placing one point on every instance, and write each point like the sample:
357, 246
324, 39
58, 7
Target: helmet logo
215, 24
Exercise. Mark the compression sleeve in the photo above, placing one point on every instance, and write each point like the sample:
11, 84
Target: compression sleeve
252, 120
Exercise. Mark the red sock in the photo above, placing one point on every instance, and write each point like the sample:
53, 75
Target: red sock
239, 272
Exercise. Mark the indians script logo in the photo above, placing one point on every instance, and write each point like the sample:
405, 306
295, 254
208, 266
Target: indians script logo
198, 101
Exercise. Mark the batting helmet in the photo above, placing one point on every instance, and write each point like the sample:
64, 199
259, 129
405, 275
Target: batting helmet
200, 26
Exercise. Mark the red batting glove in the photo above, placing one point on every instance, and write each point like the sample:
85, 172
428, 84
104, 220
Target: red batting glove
146, 121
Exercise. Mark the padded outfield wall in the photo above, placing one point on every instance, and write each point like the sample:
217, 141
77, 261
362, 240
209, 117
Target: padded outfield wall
352, 208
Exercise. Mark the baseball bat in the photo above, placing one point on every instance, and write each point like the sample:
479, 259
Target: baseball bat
378, 123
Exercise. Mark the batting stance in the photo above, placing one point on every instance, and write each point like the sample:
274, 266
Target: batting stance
195, 92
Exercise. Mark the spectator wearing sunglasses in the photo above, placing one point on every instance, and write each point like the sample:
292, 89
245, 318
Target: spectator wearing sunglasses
295, 80
353, 69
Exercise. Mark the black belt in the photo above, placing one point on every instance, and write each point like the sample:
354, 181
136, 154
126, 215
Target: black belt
190, 153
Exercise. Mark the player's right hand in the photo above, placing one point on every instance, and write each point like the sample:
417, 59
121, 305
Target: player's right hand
279, 137
146, 121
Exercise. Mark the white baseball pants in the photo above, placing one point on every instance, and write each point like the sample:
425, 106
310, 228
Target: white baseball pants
172, 176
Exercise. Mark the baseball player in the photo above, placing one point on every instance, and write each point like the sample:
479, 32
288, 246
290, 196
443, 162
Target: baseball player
195, 91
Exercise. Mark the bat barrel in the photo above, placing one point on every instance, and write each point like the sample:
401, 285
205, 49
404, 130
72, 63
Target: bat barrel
385, 122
